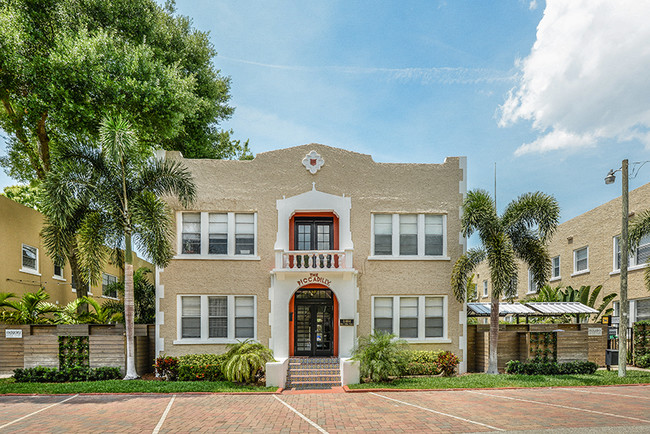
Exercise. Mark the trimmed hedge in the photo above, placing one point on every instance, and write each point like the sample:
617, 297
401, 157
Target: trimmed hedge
422, 362
201, 359
550, 368
643, 361
41, 374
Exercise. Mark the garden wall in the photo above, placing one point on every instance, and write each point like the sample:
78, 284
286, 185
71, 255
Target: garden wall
38, 345
525, 341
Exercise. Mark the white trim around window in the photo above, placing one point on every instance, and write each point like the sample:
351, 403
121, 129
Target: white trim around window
413, 233
580, 261
29, 260
238, 310
555, 269
59, 275
427, 307
485, 288
212, 226
637, 260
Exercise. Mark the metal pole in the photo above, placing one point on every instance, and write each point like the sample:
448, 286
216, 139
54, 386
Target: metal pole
623, 323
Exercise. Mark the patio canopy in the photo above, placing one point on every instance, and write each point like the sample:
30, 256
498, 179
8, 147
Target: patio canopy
531, 309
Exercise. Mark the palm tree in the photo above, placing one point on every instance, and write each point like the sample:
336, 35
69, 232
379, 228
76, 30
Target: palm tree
122, 184
31, 308
521, 232
639, 229
583, 295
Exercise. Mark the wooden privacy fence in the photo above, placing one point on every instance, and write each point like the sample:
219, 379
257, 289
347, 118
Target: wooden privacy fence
27, 346
569, 342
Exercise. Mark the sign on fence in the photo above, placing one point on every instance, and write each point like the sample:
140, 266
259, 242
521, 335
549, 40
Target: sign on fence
13, 334
594, 331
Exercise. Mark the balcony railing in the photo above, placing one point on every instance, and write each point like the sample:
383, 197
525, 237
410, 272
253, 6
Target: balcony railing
316, 260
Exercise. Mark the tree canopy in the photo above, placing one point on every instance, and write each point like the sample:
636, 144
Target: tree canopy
65, 64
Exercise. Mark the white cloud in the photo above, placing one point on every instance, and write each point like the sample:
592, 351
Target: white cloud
533, 5
586, 78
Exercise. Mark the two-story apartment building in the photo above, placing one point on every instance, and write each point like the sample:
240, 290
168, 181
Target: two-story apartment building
26, 267
304, 249
585, 251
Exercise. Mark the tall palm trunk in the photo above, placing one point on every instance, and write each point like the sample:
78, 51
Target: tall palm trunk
494, 336
82, 285
129, 309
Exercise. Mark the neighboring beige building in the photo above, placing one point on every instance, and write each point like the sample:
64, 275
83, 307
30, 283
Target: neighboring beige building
304, 249
585, 251
25, 266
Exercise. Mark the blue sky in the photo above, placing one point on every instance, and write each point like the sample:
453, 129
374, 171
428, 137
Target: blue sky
555, 93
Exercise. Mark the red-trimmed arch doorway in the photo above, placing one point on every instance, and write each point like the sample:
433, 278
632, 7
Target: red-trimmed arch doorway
313, 322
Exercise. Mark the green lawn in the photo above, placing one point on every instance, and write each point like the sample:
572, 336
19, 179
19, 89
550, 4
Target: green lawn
119, 386
481, 381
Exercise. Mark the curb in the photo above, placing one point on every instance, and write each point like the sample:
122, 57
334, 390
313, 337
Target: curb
348, 390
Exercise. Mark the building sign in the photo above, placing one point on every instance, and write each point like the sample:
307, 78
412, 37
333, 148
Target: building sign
13, 334
346, 322
594, 331
314, 278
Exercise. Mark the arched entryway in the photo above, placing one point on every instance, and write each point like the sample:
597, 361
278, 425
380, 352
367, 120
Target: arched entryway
313, 322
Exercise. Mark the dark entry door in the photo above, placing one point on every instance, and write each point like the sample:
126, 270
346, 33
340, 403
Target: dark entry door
314, 323
313, 233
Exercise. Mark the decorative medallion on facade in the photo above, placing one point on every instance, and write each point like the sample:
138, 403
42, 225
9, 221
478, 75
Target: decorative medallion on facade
313, 162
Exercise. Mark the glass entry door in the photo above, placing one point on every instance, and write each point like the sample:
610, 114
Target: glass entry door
314, 323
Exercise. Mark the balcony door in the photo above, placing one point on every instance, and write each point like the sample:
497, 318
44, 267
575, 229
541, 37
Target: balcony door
313, 233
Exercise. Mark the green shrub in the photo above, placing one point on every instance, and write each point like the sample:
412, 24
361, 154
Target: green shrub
550, 368
201, 359
200, 373
643, 361
420, 362
245, 361
167, 367
41, 374
380, 356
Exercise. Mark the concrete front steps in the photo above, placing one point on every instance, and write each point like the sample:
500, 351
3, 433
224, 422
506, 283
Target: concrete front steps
306, 373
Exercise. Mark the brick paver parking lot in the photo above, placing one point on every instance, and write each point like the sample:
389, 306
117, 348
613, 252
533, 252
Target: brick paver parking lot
625, 408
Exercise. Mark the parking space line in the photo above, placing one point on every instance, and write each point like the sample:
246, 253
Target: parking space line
302, 416
559, 406
164, 416
610, 393
37, 411
438, 412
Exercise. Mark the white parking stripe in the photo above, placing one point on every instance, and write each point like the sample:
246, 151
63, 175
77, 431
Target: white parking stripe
609, 393
164, 416
301, 415
559, 406
438, 412
37, 411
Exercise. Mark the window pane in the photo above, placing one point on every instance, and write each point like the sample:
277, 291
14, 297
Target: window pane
191, 238
556, 267
191, 327
244, 327
29, 257
582, 262
58, 271
244, 317
244, 234
384, 324
191, 306
433, 327
643, 251
218, 306
218, 317
383, 307
244, 223
244, 244
433, 235
244, 306
383, 234
408, 234
408, 328
218, 244
218, 234
433, 306
218, 328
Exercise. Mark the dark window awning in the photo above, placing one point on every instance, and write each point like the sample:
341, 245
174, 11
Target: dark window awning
531, 309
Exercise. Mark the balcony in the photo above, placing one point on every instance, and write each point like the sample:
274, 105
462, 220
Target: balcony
314, 260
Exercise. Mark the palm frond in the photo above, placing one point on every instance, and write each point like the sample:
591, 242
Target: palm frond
91, 247
479, 214
639, 228
535, 210
154, 229
165, 177
503, 266
462, 269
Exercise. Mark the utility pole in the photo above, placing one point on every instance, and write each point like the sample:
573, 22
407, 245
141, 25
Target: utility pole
623, 322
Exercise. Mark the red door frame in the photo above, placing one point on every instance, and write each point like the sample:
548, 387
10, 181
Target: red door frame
335, 320
314, 214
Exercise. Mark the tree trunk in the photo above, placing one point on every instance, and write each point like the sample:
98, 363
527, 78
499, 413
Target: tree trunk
131, 373
494, 335
82, 285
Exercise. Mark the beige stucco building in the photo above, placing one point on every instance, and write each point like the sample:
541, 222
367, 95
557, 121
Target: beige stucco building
304, 249
25, 265
585, 251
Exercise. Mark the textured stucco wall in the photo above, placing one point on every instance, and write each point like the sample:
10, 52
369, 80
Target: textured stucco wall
256, 185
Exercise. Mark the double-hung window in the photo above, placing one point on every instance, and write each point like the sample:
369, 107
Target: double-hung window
216, 318
639, 256
58, 272
108, 285
225, 235
555, 268
408, 236
191, 237
244, 234
581, 260
218, 234
485, 288
29, 259
532, 285
411, 317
